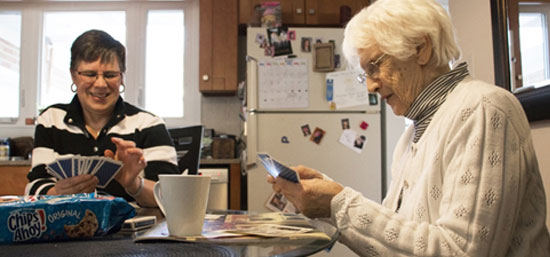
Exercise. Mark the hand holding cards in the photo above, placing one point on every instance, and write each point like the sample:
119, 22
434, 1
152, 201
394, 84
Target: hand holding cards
103, 168
276, 168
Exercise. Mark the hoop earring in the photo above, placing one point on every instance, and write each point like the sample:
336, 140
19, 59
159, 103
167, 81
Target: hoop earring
123, 88
73, 89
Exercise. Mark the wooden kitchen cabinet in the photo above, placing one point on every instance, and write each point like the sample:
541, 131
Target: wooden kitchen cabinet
305, 12
218, 47
14, 179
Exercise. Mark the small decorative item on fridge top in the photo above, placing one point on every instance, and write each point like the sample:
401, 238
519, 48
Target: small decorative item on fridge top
271, 16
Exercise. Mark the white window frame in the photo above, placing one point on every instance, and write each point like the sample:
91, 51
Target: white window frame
32, 13
541, 9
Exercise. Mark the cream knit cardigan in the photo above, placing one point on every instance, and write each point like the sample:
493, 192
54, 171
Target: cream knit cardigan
471, 186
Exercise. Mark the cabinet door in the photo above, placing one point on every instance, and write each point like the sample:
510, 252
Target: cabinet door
218, 47
327, 12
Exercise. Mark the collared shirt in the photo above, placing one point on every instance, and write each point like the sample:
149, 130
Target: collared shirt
61, 132
430, 99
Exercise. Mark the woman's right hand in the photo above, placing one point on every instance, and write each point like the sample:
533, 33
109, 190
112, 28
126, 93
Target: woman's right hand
74, 185
307, 173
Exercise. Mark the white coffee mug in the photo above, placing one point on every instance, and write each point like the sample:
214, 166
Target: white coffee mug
182, 199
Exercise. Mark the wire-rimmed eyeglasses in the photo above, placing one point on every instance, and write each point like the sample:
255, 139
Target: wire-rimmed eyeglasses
91, 76
371, 69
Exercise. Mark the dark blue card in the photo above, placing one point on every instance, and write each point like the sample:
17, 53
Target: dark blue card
107, 172
275, 168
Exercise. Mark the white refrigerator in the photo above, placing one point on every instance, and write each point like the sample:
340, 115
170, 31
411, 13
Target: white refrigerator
277, 129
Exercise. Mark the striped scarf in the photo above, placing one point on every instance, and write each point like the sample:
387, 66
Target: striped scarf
432, 97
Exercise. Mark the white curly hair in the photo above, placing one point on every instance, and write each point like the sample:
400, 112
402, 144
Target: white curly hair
397, 27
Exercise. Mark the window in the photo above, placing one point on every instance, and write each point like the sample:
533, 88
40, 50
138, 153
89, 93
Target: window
533, 36
164, 62
58, 36
10, 45
161, 74
533, 42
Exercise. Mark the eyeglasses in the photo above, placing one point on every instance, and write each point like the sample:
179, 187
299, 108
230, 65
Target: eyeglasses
91, 76
371, 69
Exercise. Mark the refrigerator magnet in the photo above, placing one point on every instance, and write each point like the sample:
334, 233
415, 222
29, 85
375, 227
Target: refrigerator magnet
317, 135
373, 99
364, 125
352, 140
284, 140
268, 51
323, 57
306, 44
330, 89
260, 38
305, 130
345, 123
291, 35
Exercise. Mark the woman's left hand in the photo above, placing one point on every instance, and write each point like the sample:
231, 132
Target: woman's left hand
311, 196
133, 160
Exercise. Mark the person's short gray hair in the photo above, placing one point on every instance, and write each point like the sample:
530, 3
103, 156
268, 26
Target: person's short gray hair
397, 27
97, 44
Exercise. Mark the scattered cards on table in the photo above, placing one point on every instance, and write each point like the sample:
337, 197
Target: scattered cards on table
103, 168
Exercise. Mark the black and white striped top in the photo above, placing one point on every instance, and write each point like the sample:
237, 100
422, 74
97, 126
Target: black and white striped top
430, 99
61, 132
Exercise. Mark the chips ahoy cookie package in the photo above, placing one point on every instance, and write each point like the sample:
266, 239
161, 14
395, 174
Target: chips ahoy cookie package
52, 218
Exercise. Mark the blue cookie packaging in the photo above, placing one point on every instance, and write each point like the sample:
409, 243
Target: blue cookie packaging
54, 218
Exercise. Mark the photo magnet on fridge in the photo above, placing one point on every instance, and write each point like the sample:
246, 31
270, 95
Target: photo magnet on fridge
306, 130
317, 135
345, 123
279, 40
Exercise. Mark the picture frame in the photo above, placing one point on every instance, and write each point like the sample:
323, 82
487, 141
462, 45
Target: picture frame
323, 57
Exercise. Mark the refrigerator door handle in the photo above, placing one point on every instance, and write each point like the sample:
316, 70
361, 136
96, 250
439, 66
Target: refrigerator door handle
252, 139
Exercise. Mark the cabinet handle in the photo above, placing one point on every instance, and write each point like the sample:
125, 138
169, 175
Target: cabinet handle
299, 10
205, 77
311, 11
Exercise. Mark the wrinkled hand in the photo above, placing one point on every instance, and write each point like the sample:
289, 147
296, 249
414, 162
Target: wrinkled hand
74, 185
312, 196
133, 160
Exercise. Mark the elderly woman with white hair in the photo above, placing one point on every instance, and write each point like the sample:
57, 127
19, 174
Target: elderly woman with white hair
465, 177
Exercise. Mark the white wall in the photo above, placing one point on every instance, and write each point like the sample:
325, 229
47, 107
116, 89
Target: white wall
540, 131
472, 20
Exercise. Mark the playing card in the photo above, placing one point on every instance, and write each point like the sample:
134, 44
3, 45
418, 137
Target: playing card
107, 172
286, 172
55, 170
66, 165
92, 164
266, 161
276, 168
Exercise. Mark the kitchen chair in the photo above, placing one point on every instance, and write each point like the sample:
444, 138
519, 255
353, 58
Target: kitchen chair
188, 142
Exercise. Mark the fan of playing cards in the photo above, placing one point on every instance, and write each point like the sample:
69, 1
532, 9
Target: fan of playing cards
103, 168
